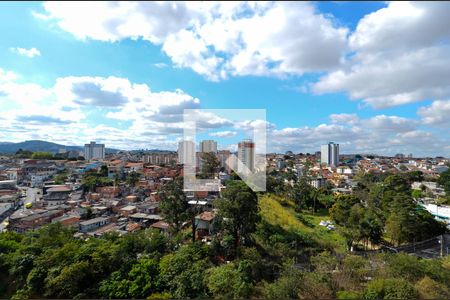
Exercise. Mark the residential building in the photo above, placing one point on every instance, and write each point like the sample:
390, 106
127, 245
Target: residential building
330, 154
57, 195
222, 157
93, 224
94, 151
207, 146
159, 158
186, 152
246, 154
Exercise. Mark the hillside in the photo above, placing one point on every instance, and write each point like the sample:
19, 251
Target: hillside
37, 145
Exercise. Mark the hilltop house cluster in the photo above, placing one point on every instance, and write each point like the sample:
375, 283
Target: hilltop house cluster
30, 197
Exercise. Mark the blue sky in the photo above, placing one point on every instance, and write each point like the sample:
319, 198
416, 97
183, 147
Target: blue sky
326, 71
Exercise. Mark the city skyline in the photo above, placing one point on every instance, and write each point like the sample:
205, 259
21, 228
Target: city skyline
353, 78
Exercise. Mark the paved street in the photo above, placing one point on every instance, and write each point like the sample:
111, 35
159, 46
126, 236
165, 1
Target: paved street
32, 194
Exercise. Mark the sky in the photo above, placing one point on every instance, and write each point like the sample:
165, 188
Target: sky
371, 76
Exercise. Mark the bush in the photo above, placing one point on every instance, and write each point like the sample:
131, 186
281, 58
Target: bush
430, 289
391, 288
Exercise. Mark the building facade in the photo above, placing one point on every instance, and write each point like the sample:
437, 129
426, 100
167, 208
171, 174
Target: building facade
330, 154
246, 154
94, 151
186, 152
208, 146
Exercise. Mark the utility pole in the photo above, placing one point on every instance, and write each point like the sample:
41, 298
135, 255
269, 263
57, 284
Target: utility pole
442, 245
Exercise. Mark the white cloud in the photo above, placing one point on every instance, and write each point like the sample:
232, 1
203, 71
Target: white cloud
225, 133
160, 65
438, 113
379, 134
344, 119
215, 39
400, 55
27, 52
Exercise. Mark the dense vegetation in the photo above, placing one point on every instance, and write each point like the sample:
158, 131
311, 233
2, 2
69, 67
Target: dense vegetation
267, 246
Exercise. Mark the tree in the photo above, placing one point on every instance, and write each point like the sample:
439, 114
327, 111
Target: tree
92, 179
61, 178
103, 171
23, 153
210, 163
238, 211
414, 176
228, 282
390, 288
140, 282
444, 181
302, 194
183, 272
397, 184
340, 211
132, 179
275, 185
174, 205
42, 155
70, 282
400, 225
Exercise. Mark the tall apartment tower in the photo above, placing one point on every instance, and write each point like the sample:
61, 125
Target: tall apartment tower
186, 152
246, 154
94, 151
330, 154
208, 146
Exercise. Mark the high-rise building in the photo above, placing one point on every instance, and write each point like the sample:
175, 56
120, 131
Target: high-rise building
222, 156
246, 154
208, 146
186, 152
94, 151
330, 154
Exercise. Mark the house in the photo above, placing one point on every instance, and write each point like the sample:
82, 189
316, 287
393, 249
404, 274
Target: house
204, 223
127, 210
57, 195
32, 219
93, 224
134, 167
162, 226
68, 220
108, 192
145, 218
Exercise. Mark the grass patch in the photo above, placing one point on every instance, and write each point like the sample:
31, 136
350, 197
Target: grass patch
280, 212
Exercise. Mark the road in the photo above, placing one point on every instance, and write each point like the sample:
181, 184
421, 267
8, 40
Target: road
32, 194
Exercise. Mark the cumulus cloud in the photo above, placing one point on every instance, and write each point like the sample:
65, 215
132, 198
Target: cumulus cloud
436, 114
400, 55
344, 118
226, 133
379, 134
216, 39
27, 52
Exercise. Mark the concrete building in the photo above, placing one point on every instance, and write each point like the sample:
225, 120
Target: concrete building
330, 154
222, 156
186, 152
93, 224
246, 154
94, 151
208, 146
159, 158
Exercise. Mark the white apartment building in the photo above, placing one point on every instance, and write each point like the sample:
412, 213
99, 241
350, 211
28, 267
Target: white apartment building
330, 154
94, 151
208, 146
246, 154
186, 152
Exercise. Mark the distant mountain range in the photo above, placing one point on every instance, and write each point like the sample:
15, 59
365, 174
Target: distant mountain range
37, 145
